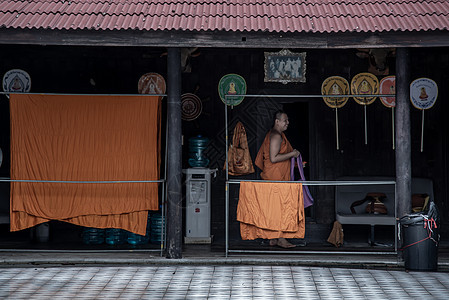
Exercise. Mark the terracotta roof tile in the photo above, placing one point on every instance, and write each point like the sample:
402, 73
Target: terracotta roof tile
228, 15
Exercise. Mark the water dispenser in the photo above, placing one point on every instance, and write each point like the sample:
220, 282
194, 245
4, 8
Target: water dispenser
198, 205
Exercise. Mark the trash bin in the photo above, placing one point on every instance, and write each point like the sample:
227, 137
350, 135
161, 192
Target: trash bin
420, 240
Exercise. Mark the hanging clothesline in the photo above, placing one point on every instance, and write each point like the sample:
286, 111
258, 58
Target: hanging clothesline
314, 182
4, 179
75, 94
311, 96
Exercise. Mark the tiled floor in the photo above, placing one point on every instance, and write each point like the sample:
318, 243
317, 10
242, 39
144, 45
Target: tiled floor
219, 282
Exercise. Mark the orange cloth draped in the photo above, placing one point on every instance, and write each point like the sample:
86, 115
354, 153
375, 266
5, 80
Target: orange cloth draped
84, 138
274, 171
271, 210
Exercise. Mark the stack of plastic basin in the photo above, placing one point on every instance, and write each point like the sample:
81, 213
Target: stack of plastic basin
137, 239
115, 236
157, 228
93, 236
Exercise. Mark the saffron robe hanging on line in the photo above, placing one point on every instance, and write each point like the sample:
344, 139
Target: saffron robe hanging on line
84, 138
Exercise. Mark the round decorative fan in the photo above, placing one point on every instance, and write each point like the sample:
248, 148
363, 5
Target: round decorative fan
335, 85
423, 93
151, 83
16, 80
365, 84
388, 86
232, 84
191, 107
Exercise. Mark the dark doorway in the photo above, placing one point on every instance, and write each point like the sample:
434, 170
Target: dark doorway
298, 129
298, 135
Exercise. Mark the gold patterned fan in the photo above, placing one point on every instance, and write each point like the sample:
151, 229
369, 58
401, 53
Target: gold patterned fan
337, 86
364, 87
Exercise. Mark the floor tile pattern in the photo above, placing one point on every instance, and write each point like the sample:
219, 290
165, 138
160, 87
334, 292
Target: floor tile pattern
219, 282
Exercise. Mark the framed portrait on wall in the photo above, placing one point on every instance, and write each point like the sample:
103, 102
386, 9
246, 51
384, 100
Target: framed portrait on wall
285, 66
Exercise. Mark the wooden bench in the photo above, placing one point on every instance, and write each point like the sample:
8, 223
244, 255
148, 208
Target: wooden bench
345, 195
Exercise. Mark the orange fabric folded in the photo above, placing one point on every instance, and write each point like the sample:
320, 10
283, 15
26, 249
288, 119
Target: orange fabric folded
273, 171
84, 138
271, 210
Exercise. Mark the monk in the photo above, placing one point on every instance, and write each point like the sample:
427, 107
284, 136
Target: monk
273, 159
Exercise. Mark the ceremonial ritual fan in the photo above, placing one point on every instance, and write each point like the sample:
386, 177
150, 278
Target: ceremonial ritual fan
191, 107
232, 84
388, 87
16, 81
335, 85
423, 95
364, 88
151, 83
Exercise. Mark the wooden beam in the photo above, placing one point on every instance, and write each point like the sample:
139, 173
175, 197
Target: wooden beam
224, 39
174, 163
403, 135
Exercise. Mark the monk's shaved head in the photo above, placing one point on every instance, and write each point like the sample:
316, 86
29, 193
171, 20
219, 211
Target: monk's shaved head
278, 115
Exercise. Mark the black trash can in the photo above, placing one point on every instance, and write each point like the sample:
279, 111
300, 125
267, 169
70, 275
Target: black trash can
420, 240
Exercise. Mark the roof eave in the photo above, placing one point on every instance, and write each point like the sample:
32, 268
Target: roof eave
225, 39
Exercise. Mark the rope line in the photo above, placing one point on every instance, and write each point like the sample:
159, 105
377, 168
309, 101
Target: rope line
81, 181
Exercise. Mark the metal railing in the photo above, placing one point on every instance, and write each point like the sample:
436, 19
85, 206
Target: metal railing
162, 181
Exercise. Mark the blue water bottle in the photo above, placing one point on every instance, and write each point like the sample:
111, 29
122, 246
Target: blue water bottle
137, 239
115, 236
197, 146
157, 228
93, 236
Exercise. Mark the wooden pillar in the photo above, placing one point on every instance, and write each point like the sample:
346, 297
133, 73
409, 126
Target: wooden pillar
403, 136
174, 155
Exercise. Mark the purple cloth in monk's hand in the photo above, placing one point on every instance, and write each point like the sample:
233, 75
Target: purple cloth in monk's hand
308, 199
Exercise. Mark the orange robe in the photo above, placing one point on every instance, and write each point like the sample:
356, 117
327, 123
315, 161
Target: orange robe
84, 138
274, 171
271, 210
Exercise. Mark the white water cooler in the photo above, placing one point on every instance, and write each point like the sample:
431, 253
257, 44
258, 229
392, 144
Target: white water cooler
198, 206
